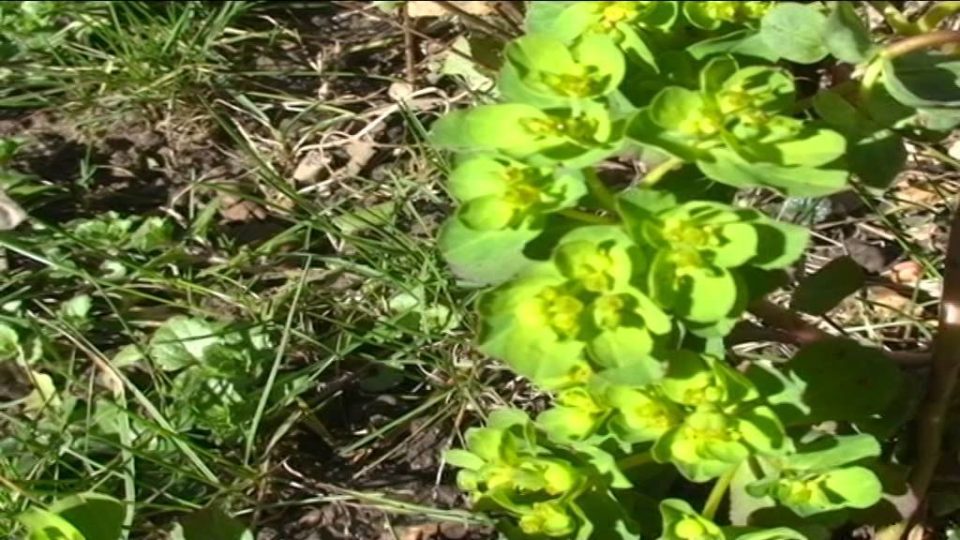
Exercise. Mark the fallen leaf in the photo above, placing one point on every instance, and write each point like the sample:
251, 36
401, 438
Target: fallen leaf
918, 195
361, 151
11, 214
235, 210
890, 304
311, 167
425, 531
906, 272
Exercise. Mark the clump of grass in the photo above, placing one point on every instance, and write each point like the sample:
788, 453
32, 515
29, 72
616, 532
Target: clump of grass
112, 56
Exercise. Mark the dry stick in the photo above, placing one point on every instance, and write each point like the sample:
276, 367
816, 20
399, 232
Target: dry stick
946, 369
795, 330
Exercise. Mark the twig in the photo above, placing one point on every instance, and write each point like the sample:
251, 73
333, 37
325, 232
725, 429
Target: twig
795, 330
943, 376
492, 29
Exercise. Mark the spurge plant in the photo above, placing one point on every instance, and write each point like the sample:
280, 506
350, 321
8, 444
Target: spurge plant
614, 294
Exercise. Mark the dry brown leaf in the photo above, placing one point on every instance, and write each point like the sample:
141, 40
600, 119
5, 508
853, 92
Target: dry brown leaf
425, 531
239, 210
918, 195
906, 272
11, 214
361, 151
311, 167
433, 9
890, 304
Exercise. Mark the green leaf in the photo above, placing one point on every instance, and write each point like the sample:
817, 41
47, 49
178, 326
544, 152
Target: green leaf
9, 342
180, 342
813, 147
741, 43
844, 380
540, 16
44, 396
770, 89
877, 158
700, 294
95, 516
777, 533
576, 137
923, 79
849, 487
874, 154
213, 524
846, 35
795, 32
542, 71
833, 451
640, 415
504, 126
44, 525
727, 167
532, 323
498, 193
700, 447
840, 113
761, 429
463, 459
682, 522
858, 486
779, 244
674, 107
484, 257
743, 504
824, 290
153, 234
76, 310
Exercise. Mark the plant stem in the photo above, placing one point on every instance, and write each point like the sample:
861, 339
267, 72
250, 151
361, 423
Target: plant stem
905, 46
587, 217
657, 173
717, 493
797, 331
600, 191
936, 15
895, 18
636, 460
943, 376
923, 41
